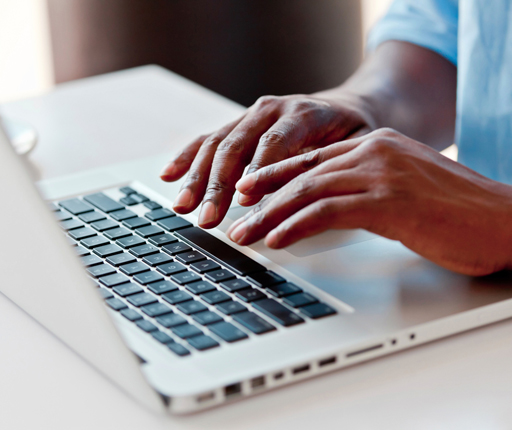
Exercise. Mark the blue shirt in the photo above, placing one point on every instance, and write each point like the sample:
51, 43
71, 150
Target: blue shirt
475, 35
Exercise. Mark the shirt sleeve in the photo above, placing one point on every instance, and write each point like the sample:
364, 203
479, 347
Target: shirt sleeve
432, 24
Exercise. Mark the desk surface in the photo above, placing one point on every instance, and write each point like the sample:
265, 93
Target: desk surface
463, 382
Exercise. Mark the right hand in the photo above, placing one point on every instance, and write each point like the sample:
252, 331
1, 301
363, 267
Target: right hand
273, 129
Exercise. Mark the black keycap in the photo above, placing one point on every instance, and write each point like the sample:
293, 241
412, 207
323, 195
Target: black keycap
139, 198
81, 251
71, 224
162, 287
159, 214
103, 225
152, 205
107, 250
157, 259
116, 304
100, 270
163, 239
62, 216
114, 279
230, 308
204, 266
127, 190
171, 268
200, 287
171, 320
150, 230
103, 202
190, 257
227, 331
90, 260
91, 217
250, 295
133, 268
123, 214
253, 322
176, 297
283, 290
117, 233
130, 241
185, 277
317, 310
176, 248
186, 330
266, 279
131, 314
146, 326
127, 289
191, 307
302, 299
142, 299
127, 201
119, 259
94, 241
278, 312
143, 250
137, 222
202, 342
106, 294
220, 275
178, 349
215, 297
174, 223
235, 285
220, 251
156, 309
162, 337
76, 206
208, 317
148, 277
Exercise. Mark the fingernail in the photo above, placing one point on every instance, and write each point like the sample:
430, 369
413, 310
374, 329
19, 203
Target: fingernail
233, 226
168, 170
183, 199
272, 239
246, 183
243, 199
207, 214
239, 232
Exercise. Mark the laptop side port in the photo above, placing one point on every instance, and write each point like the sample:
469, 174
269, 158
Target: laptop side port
327, 361
258, 382
365, 350
206, 397
233, 389
301, 369
278, 375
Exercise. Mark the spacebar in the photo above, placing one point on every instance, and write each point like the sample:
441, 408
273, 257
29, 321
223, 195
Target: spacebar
220, 251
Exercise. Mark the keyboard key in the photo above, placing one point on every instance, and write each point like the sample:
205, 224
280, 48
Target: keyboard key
185, 277
220, 251
76, 206
176, 248
143, 250
208, 317
117, 233
190, 257
317, 310
171, 320
152, 205
131, 314
191, 307
134, 268
186, 330
156, 309
235, 285
230, 308
157, 259
148, 277
174, 223
146, 326
113, 280
163, 239
106, 294
127, 190
299, 300
162, 287
116, 304
71, 224
103, 202
266, 279
91, 217
137, 222
283, 290
176, 297
162, 337
150, 230
227, 332
200, 287
130, 241
90, 260
107, 250
123, 214
101, 270
127, 289
253, 322
220, 275
81, 251
203, 342
142, 299
119, 259
215, 297
178, 349
139, 198
171, 268
204, 266
127, 201
278, 312
103, 225
94, 241
159, 214
250, 295
62, 216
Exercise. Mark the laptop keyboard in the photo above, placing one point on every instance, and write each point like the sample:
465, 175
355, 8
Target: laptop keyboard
184, 287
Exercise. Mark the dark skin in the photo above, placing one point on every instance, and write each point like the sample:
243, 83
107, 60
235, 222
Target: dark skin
331, 164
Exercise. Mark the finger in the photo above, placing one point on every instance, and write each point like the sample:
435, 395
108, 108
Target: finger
179, 165
244, 200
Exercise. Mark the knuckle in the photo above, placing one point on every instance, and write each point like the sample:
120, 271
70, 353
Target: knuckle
212, 141
194, 176
215, 186
302, 187
310, 160
231, 145
266, 101
386, 132
304, 105
324, 209
274, 138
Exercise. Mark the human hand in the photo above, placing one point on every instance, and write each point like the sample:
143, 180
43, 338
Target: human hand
390, 185
273, 129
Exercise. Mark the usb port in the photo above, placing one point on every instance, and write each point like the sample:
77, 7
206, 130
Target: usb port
327, 361
233, 389
301, 369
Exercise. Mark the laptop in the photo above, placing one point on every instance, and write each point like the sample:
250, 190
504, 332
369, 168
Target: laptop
184, 320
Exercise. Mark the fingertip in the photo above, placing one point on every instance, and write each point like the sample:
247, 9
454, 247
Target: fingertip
272, 239
168, 173
245, 184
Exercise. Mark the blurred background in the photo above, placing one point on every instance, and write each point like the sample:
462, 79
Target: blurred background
241, 49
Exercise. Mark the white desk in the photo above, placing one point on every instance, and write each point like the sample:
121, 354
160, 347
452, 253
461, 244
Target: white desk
464, 382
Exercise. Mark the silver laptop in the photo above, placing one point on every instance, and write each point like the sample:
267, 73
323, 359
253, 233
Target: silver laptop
184, 320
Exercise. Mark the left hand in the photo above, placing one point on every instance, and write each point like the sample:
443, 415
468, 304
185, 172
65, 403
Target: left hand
390, 185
